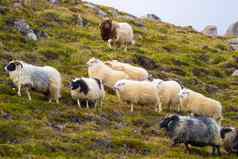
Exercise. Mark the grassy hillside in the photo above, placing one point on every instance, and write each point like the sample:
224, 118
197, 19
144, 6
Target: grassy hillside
39, 130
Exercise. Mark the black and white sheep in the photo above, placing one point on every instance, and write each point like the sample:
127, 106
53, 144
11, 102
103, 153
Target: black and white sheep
200, 132
115, 32
44, 79
230, 139
87, 89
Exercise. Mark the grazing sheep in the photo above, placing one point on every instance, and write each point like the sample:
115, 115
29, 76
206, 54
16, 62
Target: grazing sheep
97, 69
169, 93
134, 73
89, 89
199, 104
230, 139
42, 79
138, 92
114, 32
201, 131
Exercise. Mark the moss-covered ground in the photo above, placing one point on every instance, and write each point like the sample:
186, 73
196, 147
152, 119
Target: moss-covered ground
39, 130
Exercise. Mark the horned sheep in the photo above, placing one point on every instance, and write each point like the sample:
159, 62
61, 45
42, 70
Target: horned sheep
230, 139
44, 79
200, 131
115, 32
88, 89
97, 69
138, 92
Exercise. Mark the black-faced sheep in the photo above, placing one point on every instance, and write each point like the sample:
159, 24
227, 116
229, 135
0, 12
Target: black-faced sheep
88, 89
200, 105
114, 32
134, 72
97, 69
230, 139
192, 131
138, 92
42, 79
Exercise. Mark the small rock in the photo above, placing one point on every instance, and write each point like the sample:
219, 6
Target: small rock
41, 34
211, 89
234, 44
146, 62
235, 73
152, 17
3, 9
25, 29
82, 22
210, 30
114, 12
54, 1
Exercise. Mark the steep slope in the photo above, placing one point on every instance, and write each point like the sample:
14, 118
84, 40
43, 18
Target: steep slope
40, 130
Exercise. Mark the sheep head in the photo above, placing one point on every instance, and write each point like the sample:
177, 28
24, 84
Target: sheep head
107, 30
13, 66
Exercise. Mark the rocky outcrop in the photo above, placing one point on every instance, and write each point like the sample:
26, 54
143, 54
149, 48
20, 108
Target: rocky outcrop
210, 30
152, 17
232, 30
25, 29
97, 9
234, 44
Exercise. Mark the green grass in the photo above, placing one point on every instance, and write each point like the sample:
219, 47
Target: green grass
40, 130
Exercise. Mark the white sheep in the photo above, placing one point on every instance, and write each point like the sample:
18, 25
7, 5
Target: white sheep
134, 73
168, 93
97, 69
199, 104
138, 92
89, 89
42, 79
115, 32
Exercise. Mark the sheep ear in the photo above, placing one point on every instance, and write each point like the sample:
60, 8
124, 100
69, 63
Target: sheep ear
224, 131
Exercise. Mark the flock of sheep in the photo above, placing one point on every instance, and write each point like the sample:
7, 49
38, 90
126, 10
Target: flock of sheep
134, 85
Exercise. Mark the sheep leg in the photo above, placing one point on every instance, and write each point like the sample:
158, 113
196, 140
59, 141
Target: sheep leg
187, 147
87, 106
160, 107
19, 90
28, 94
79, 104
215, 149
109, 42
132, 107
125, 49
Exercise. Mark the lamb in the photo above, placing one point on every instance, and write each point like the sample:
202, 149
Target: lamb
138, 92
89, 89
42, 79
97, 69
230, 139
199, 104
115, 32
200, 132
169, 93
134, 73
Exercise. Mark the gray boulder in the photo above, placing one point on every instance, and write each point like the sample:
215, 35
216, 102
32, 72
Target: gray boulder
54, 1
25, 29
210, 30
235, 73
152, 17
232, 30
234, 44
